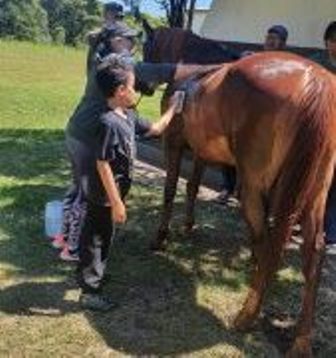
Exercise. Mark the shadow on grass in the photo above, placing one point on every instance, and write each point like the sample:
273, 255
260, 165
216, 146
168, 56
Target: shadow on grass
162, 310
29, 154
33, 171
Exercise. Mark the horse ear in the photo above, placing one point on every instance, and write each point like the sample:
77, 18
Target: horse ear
147, 27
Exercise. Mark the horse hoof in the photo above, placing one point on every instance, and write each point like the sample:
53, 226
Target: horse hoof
188, 228
300, 349
160, 242
156, 245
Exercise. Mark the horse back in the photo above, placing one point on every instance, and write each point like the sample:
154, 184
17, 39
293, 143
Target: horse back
252, 111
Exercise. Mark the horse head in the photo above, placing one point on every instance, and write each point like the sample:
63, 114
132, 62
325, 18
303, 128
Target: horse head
163, 44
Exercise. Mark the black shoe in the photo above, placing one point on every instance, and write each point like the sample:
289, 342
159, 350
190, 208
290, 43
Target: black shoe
96, 302
222, 197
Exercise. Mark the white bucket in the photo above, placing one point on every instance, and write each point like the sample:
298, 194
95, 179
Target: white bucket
53, 218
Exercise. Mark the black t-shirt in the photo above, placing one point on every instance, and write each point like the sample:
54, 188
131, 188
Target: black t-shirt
116, 145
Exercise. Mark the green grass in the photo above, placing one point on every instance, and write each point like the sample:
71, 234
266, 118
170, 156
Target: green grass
180, 302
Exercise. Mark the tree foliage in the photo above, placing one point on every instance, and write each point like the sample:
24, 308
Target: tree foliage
73, 18
23, 20
62, 21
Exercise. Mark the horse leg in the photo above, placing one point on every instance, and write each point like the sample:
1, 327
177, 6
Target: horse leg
255, 216
174, 156
313, 254
192, 190
268, 253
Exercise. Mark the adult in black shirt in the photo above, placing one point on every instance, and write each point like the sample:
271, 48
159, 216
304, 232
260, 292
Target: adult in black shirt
104, 170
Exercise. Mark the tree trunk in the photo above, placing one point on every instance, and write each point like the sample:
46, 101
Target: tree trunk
191, 14
175, 11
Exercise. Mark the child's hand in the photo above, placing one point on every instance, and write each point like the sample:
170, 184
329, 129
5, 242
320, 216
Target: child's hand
119, 215
177, 101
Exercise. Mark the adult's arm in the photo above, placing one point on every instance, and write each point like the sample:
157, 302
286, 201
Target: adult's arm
154, 74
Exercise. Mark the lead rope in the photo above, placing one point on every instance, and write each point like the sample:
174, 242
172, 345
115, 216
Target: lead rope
139, 101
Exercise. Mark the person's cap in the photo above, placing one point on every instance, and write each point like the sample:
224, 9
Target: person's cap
115, 8
279, 30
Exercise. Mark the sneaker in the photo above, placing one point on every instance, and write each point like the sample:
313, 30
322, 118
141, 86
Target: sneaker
58, 242
331, 249
96, 302
222, 197
233, 202
67, 255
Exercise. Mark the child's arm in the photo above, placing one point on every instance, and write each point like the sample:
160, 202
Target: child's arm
117, 206
158, 127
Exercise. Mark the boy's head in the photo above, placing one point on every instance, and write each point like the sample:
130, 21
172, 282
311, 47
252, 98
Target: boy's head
330, 39
116, 81
276, 38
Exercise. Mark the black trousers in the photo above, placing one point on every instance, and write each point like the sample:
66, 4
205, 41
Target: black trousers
95, 241
229, 178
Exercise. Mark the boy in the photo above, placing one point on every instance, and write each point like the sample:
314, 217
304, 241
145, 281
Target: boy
106, 175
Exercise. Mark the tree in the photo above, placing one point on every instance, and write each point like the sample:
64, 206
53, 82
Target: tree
93, 7
23, 20
56, 29
191, 14
177, 11
71, 20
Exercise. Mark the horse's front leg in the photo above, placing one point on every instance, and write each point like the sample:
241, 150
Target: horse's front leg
173, 157
192, 191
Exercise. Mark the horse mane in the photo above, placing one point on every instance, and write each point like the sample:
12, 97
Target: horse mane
175, 44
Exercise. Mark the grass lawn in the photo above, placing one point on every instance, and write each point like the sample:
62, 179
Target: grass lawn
177, 303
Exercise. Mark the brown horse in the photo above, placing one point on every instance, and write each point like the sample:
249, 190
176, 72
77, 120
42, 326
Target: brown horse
273, 115
172, 46
178, 45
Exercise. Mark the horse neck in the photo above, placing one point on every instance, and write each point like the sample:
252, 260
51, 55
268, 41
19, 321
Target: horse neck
206, 51
170, 46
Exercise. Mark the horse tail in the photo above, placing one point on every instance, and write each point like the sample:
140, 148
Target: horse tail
310, 160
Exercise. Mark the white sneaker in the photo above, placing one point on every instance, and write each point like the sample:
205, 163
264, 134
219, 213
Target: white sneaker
66, 255
331, 249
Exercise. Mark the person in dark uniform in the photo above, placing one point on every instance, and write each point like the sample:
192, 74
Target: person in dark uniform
104, 170
328, 57
113, 34
328, 60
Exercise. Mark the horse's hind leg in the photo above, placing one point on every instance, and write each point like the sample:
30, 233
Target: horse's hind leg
267, 252
255, 216
313, 254
174, 156
192, 190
